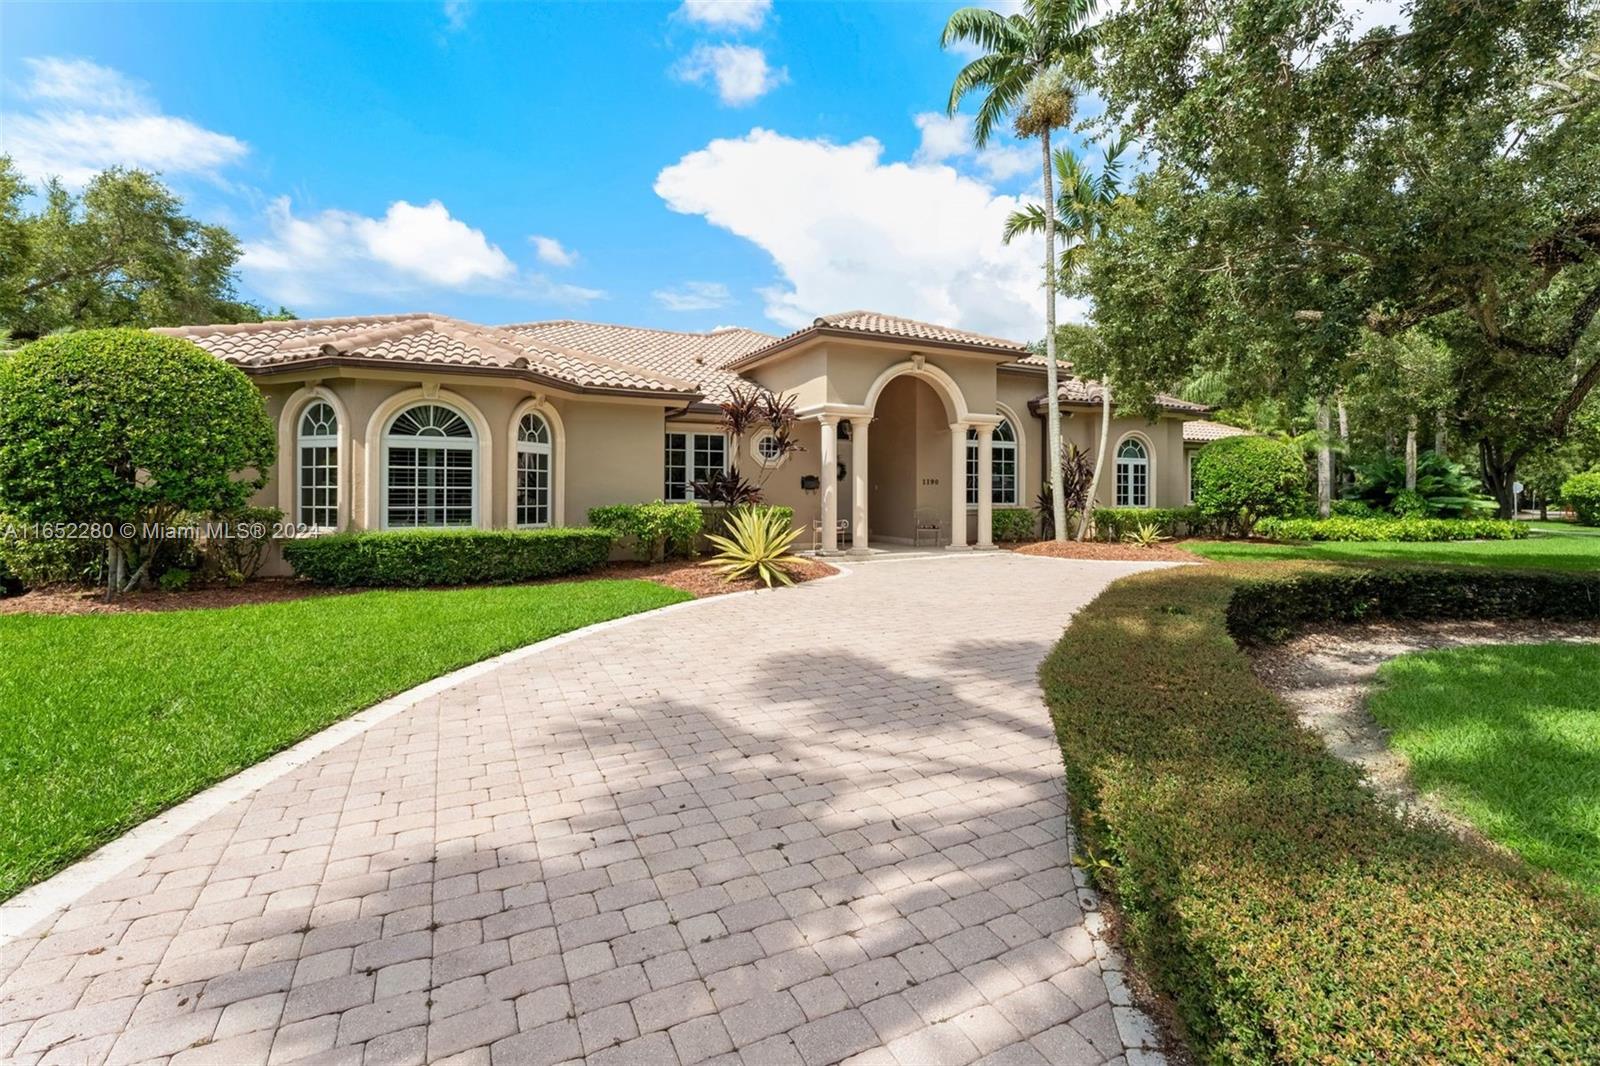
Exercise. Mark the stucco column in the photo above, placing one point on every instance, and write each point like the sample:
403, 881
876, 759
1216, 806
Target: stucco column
985, 486
958, 486
828, 484
860, 486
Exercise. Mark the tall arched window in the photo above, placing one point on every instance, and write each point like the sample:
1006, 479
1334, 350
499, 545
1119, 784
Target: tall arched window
431, 468
533, 471
1133, 474
318, 450
1002, 463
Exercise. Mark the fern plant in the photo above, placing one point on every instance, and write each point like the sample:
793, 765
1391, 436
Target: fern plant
755, 540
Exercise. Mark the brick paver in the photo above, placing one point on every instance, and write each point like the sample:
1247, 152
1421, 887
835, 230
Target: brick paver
822, 824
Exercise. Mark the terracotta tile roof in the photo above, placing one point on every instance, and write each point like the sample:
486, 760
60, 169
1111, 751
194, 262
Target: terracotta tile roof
1075, 390
699, 358
873, 324
428, 339
1200, 431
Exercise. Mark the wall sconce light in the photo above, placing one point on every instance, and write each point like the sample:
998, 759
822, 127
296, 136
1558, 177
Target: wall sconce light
810, 482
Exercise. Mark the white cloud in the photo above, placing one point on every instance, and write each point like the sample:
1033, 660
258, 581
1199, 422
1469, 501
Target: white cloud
455, 15
740, 72
309, 260
87, 117
947, 138
549, 250
1367, 15
847, 229
694, 296
726, 15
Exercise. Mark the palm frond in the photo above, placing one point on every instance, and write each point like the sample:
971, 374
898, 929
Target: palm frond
982, 26
1030, 219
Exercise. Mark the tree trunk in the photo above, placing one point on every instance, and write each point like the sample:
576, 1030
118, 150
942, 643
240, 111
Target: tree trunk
1344, 442
113, 570
1099, 458
1411, 453
1499, 474
1324, 462
1440, 436
1052, 421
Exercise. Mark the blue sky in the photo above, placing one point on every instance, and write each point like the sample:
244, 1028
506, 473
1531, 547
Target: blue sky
684, 165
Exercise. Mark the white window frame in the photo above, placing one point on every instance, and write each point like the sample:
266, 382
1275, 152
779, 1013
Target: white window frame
997, 448
755, 450
1145, 465
691, 439
309, 442
546, 449
467, 444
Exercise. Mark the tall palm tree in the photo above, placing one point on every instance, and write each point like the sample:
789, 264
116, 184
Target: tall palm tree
1022, 73
1083, 209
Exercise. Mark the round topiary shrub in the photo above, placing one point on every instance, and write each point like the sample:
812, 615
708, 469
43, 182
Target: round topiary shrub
1239, 480
1582, 493
111, 430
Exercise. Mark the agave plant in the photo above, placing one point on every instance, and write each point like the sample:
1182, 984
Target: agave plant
755, 540
1146, 535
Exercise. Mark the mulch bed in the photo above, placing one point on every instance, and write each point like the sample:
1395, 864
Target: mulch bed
698, 581
1095, 549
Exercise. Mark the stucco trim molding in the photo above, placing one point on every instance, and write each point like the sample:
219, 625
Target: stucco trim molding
378, 424
288, 472
558, 467
955, 401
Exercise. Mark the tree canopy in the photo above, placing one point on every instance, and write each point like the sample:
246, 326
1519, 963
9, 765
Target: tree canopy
1315, 188
120, 253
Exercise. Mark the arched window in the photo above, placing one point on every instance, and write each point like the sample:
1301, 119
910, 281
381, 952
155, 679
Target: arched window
1002, 463
318, 451
1133, 474
431, 468
533, 471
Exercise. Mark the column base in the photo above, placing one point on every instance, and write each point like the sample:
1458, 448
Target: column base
958, 547
983, 547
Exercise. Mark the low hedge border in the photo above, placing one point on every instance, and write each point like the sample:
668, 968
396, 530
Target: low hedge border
1413, 530
1115, 523
656, 530
1290, 917
416, 558
1009, 525
1270, 609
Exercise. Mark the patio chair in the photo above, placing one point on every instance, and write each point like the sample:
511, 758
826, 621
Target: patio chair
930, 524
842, 531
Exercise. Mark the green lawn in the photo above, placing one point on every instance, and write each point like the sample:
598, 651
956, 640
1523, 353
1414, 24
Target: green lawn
106, 720
1509, 736
1553, 546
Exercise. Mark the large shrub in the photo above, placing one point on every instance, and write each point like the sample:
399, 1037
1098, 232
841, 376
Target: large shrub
1390, 529
1240, 480
1290, 917
415, 558
117, 430
1582, 493
657, 530
32, 560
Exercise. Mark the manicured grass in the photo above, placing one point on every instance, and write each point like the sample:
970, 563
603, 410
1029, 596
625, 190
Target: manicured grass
1551, 547
1509, 736
1287, 914
106, 720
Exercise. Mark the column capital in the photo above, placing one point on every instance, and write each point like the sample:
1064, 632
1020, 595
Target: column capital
985, 430
858, 421
828, 419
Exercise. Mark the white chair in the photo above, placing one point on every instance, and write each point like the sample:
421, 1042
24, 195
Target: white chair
842, 532
928, 524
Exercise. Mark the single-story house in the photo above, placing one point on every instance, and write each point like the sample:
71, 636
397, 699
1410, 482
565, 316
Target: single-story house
401, 421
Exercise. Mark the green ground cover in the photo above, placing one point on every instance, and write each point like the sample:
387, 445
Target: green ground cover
106, 720
1553, 546
1508, 736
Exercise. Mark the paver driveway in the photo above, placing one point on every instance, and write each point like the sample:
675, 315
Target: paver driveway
796, 827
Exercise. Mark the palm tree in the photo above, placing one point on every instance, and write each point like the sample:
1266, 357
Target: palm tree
1022, 73
1083, 209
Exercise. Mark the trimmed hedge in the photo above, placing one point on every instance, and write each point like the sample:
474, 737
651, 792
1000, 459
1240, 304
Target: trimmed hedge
413, 558
1010, 524
657, 530
1390, 529
1290, 916
1115, 523
1582, 493
1271, 609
